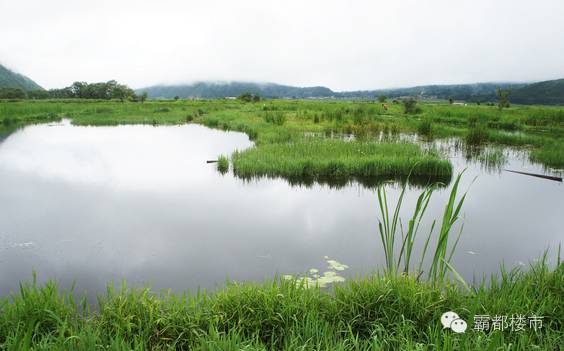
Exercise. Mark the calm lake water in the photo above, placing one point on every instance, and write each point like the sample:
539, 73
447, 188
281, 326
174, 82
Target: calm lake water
93, 205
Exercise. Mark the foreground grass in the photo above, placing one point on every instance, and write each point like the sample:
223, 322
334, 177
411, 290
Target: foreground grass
372, 313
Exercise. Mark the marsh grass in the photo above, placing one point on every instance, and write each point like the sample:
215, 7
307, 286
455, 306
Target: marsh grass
377, 312
277, 118
477, 135
333, 158
222, 164
492, 158
550, 155
425, 128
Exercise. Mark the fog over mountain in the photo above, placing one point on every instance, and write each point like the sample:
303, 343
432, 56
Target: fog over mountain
344, 45
11, 79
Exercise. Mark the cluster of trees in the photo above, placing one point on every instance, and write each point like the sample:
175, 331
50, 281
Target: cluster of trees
410, 106
83, 90
78, 90
12, 93
249, 97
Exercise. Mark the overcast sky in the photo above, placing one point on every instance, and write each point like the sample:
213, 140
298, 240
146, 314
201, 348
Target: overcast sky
345, 45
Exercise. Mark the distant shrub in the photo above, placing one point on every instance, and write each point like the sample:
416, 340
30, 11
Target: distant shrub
316, 119
503, 95
189, 118
410, 106
248, 97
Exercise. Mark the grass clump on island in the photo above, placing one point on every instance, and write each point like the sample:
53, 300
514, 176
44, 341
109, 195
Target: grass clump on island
222, 164
379, 312
334, 158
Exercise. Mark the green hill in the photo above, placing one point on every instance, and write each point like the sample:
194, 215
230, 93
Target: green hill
550, 92
482, 92
213, 90
10, 79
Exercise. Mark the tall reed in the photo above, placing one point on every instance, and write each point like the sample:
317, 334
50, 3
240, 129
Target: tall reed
390, 229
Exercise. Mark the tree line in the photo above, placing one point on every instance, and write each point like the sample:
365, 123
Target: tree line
78, 90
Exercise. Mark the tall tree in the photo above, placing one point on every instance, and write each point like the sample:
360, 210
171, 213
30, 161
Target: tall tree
143, 96
503, 95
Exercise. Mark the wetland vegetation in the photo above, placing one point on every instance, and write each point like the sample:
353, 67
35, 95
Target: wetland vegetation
294, 137
395, 308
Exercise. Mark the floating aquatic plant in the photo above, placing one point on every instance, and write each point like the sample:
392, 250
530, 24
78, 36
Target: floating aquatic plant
315, 279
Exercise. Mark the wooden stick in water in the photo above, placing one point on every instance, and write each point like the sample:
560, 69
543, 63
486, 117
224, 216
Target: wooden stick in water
557, 179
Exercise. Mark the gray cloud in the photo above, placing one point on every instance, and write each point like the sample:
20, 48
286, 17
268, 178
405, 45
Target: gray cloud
341, 44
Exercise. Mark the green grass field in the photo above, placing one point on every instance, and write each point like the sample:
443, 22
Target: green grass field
288, 122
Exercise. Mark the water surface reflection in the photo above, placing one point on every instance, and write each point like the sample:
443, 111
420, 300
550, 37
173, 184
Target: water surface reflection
99, 204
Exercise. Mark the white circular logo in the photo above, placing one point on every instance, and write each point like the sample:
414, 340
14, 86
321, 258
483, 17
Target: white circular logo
451, 320
447, 318
458, 325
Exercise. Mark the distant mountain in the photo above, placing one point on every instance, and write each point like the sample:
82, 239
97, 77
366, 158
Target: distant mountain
467, 92
10, 79
550, 92
212, 90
